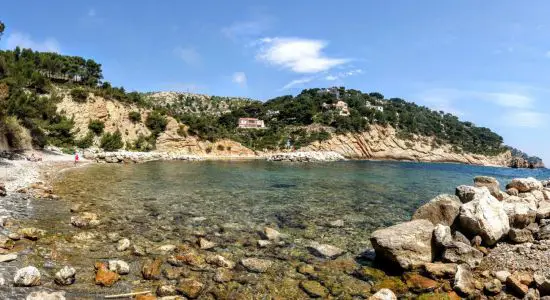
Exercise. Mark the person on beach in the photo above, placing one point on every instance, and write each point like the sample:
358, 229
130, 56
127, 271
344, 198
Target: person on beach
75, 158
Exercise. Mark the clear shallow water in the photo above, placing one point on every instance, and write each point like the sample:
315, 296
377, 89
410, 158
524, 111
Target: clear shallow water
301, 198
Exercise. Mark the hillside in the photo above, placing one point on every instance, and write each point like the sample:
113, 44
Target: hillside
46, 98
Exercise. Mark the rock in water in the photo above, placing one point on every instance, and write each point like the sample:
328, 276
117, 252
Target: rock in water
256, 265
119, 266
325, 250
28, 276
105, 277
8, 257
313, 289
442, 209
190, 287
464, 282
383, 294
85, 220
271, 234
420, 284
6, 242
65, 276
205, 244
524, 185
44, 295
490, 183
408, 244
32, 233
123, 245
220, 261
151, 269
484, 216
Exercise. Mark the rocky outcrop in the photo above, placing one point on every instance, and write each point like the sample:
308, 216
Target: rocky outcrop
383, 143
443, 209
303, 156
135, 157
409, 244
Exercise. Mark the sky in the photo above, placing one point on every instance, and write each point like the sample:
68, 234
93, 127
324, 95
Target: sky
486, 61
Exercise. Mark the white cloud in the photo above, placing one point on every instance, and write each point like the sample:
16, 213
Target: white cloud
547, 54
343, 75
25, 41
514, 100
527, 119
297, 82
91, 12
297, 54
189, 55
239, 78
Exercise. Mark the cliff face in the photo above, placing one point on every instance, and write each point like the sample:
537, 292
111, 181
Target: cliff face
382, 143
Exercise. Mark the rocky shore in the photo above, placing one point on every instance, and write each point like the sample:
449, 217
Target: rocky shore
479, 243
136, 157
306, 156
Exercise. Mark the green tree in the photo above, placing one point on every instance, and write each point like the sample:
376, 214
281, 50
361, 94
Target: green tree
111, 141
96, 126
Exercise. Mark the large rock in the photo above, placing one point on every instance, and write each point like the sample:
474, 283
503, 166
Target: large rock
484, 216
543, 210
151, 269
256, 265
490, 183
442, 209
28, 276
520, 236
465, 193
464, 282
525, 184
408, 244
463, 254
442, 236
520, 213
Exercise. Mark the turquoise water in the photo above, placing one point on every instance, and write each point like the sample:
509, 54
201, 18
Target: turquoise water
295, 197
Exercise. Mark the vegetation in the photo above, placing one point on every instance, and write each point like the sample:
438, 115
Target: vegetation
156, 122
134, 116
111, 141
96, 126
79, 94
86, 142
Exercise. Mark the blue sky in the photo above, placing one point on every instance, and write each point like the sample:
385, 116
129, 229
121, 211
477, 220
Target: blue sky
486, 61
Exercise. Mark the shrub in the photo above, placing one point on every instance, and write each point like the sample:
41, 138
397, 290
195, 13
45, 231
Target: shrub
182, 131
111, 141
142, 143
60, 131
209, 149
79, 95
85, 142
96, 126
134, 116
220, 148
156, 122
15, 133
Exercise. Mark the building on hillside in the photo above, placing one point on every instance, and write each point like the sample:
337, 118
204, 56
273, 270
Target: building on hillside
251, 123
379, 108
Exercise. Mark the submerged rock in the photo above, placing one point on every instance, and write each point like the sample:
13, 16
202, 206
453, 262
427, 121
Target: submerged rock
220, 261
28, 276
256, 265
8, 257
45, 295
190, 287
420, 284
442, 209
85, 220
484, 216
151, 269
205, 244
314, 289
65, 276
407, 244
6, 242
271, 234
123, 245
32, 233
325, 250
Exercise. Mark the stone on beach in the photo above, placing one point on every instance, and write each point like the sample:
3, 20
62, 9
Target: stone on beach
104, 277
65, 276
442, 209
464, 282
520, 213
151, 269
490, 183
408, 244
256, 265
525, 184
440, 270
520, 236
190, 287
8, 257
442, 236
325, 250
484, 216
461, 253
28, 276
